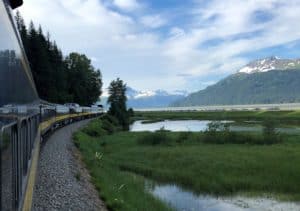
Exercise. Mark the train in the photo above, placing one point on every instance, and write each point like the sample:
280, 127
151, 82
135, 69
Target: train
20, 137
25, 119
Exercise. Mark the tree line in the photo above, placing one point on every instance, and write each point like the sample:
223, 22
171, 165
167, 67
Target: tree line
58, 79
72, 78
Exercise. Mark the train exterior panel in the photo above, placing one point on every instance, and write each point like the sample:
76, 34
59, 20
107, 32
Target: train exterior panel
16, 81
25, 120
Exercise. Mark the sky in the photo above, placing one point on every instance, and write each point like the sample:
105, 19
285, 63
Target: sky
170, 44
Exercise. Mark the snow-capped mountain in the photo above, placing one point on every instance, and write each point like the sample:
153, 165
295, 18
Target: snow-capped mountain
264, 81
270, 63
134, 94
148, 98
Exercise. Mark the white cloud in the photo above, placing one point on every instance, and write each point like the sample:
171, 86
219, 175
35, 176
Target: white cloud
231, 18
153, 21
127, 4
121, 46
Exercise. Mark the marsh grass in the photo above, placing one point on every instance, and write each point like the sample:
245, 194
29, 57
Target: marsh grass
291, 116
242, 166
160, 137
120, 190
204, 168
216, 133
183, 136
220, 133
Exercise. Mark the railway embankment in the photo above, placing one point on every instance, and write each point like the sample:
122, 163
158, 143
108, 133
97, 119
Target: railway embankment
62, 181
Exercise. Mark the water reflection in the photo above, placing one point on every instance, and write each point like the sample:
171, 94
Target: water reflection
179, 125
16, 82
201, 125
180, 199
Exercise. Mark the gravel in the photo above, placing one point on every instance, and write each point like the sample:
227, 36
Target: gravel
62, 181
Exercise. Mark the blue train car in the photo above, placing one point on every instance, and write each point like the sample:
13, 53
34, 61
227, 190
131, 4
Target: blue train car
18, 131
24, 118
16, 81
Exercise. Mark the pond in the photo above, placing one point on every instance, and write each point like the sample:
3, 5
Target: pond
176, 125
201, 125
180, 199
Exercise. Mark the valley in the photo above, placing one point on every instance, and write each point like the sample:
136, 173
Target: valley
237, 170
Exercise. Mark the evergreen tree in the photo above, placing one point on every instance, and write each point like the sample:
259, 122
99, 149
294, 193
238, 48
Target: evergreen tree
117, 100
58, 79
22, 29
39, 61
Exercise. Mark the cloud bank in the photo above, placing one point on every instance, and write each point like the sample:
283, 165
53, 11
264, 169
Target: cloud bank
183, 45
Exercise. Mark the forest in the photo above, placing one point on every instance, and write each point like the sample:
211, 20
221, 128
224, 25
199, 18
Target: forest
58, 78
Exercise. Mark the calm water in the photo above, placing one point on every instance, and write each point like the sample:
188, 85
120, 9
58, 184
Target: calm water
201, 125
180, 200
184, 200
177, 125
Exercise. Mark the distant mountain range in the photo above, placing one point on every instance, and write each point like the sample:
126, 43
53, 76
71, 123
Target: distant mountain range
149, 99
271, 63
269, 80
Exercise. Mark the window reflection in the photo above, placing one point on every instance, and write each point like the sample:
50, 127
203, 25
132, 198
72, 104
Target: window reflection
16, 83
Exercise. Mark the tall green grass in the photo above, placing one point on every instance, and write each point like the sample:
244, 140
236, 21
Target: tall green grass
102, 126
120, 190
216, 133
185, 158
293, 116
156, 138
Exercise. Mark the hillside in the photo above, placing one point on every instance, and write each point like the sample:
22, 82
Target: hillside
259, 82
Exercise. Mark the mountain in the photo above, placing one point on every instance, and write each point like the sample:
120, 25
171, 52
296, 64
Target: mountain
271, 63
269, 80
149, 99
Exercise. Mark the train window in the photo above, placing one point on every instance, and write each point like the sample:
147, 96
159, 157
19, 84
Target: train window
16, 82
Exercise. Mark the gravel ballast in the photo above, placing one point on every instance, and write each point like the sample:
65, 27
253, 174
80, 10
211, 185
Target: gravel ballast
62, 181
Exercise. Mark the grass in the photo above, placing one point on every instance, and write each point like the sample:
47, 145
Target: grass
217, 169
217, 133
293, 116
119, 189
165, 138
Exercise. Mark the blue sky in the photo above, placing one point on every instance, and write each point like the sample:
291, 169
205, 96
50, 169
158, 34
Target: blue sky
170, 44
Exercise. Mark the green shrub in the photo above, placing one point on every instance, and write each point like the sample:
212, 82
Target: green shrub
212, 135
103, 144
111, 119
183, 136
270, 134
219, 133
102, 126
108, 126
159, 137
94, 128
